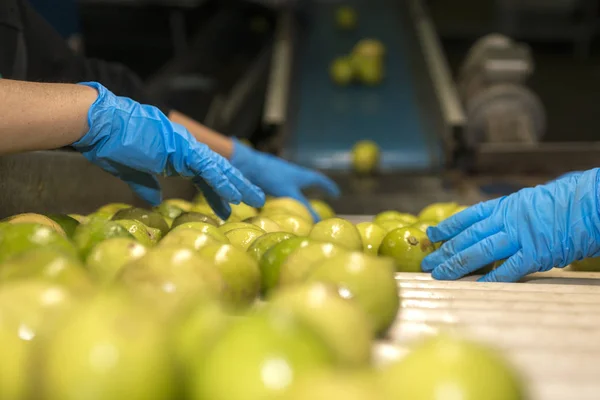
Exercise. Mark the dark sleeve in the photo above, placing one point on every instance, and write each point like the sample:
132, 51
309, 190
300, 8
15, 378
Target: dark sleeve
49, 59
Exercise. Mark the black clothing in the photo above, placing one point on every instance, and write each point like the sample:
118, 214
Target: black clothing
31, 50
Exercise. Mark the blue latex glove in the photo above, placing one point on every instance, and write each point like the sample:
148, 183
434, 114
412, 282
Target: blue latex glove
278, 177
535, 229
135, 142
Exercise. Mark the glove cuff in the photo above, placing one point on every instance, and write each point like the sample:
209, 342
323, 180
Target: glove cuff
91, 137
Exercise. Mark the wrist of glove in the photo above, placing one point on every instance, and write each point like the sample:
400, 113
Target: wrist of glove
534, 229
278, 177
136, 142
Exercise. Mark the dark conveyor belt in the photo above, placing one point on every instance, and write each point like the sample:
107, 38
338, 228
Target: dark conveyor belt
326, 120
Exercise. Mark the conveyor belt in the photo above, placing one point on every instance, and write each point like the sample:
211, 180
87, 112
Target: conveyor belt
326, 120
547, 327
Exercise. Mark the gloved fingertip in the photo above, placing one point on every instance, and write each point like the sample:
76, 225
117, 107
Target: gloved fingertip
434, 234
428, 264
439, 275
255, 197
223, 213
316, 217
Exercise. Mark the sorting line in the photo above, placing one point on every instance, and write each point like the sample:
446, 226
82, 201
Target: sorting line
546, 330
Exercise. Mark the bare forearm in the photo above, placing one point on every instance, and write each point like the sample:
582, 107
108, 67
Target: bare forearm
217, 142
40, 116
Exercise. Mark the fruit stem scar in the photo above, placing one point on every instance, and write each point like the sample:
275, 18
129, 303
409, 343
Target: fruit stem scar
413, 240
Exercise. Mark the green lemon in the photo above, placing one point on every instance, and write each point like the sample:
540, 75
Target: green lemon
17, 239
271, 261
408, 247
338, 231
107, 258
151, 219
371, 236
469, 370
368, 280
277, 350
365, 157
261, 245
331, 317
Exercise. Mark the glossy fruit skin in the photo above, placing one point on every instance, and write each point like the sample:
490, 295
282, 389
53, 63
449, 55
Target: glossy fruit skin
168, 277
338, 231
340, 322
190, 238
31, 310
290, 222
264, 223
242, 238
423, 225
408, 247
271, 261
203, 227
470, 369
392, 224
48, 265
229, 226
243, 211
149, 218
108, 257
287, 205
67, 223
193, 217
365, 157
261, 245
112, 208
110, 349
371, 235
240, 272
392, 215
16, 239
193, 333
322, 209
366, 279
179, 203
278, 349
15, 373
169, 210
142, 233
95, 231
438, 211
298, 265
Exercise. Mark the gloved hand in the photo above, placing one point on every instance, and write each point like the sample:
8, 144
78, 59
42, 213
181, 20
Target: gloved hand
535, 229
135, 142
278, 177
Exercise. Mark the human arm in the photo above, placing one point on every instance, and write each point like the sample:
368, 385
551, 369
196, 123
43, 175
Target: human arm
534, 229
38, 116
132, 141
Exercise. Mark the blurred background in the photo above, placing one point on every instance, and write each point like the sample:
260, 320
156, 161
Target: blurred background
470, 99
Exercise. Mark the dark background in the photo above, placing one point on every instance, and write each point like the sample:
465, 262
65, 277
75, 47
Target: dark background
561, 33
